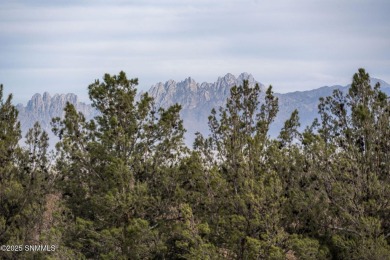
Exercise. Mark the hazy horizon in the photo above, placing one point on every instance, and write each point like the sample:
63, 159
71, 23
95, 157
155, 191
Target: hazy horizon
63, 46
87, 101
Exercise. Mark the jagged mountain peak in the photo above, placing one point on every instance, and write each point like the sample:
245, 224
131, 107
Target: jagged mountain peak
229, 76
189, 80
226, 81
247, 76
190, 94
196, 100
43, 108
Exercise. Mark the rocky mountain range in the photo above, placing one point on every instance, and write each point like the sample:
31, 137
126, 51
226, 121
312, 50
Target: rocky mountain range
42, 108
196, 99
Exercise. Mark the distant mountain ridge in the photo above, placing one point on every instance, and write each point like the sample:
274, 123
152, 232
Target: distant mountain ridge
191, 94
196, 99
42, 108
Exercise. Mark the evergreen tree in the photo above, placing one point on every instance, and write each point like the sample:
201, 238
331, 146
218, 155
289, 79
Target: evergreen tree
249, 208
11, 189
125, 186
24, 181
347, 162
116, 172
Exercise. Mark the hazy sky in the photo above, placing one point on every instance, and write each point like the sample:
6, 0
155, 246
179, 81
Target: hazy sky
63, 46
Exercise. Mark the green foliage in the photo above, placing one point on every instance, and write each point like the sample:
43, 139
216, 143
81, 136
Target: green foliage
346, 173
307, 248
117, 171
188, 240
246, 224
124, 186
24, 180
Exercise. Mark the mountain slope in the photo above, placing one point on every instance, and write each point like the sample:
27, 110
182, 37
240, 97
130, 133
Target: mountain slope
42, 108
196, 99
